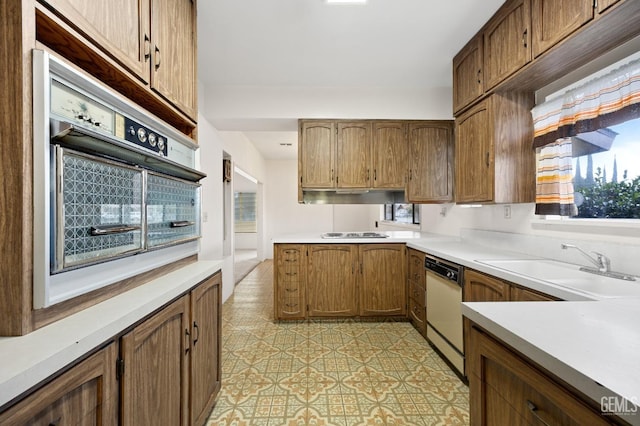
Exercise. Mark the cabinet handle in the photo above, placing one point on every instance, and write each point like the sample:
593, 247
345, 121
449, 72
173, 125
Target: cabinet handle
331, 175
147, 48
368, 175
487, 159
375, 174
291, 290
197, 330
291, 260
479, 73
290, 305
535, 413
410, 174
188, 339
157, 56
291, 273
524, 38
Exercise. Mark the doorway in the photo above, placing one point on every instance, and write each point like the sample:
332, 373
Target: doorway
246, 223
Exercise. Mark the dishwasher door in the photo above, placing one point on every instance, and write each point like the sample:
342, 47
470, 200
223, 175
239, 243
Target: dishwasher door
444, 318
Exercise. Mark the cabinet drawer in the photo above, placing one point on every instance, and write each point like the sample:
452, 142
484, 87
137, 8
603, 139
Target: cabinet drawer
416, 267
417, 293
289, 273
417, 315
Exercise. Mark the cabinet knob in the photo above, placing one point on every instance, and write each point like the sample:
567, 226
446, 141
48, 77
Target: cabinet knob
524, 38
534, 411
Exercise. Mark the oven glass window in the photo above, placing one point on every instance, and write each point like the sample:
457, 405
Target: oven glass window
173, 209
101, 209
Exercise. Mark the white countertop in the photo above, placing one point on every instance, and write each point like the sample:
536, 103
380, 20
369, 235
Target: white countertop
593, 346
28, 360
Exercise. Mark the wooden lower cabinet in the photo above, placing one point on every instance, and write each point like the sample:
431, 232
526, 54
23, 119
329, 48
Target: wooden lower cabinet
506, 389
172, 361
331, 285
523, 295
206, 333
87, 394
417, 311
289, 281
479, 287
339, 280
382, 280
155, 383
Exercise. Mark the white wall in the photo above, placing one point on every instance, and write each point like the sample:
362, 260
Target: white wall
245, 240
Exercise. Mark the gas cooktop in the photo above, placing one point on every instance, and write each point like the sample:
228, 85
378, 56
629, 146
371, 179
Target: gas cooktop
338, 235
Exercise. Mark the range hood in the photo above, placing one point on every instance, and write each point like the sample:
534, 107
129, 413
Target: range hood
352, 196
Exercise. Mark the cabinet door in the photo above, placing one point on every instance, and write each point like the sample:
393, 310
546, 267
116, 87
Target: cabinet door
431, 170
173, 35
467, 74
120, 28
507, 42
474, 155
382, 280
85, 395
353, 155
604, 4
553, 20
483, 288
390, 155
205, 347
504, 389
289, 276
316, 154
155, 384
332, 280
523, 295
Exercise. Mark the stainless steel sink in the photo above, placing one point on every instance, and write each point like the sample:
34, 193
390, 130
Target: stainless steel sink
566, 275
338, 235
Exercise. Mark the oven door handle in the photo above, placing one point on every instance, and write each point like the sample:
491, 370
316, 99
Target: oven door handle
182, 223
112, 229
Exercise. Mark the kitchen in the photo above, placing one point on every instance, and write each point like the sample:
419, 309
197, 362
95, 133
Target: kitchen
283, 215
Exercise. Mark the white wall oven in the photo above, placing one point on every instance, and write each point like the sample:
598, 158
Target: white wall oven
116, 190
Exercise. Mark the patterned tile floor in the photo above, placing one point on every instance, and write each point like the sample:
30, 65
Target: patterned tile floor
330, 372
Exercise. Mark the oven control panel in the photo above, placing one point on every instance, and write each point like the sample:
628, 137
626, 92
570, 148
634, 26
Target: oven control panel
142, 136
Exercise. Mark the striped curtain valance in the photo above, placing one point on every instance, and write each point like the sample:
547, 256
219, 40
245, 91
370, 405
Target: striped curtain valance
605, 101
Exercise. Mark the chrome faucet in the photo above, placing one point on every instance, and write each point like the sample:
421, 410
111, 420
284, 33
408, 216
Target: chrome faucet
601, 261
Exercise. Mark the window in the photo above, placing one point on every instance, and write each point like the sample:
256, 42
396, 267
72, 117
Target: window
402, 213
245, 211
606, 172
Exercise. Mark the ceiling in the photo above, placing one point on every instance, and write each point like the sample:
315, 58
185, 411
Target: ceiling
265, 63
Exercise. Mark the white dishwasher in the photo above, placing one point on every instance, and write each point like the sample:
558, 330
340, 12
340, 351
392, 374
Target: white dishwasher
444, 314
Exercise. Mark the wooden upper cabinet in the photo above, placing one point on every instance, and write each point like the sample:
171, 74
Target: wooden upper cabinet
553, 20
474, 155
155, 383
120, 28
382, 280
431, 162
390, 154
316, 153
206, 336
483, 288
468, 79
507, 42
353, 155
332, 289
173, 39
494, 159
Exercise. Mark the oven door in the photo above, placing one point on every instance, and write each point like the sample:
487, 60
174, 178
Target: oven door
97, 210
173, 210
